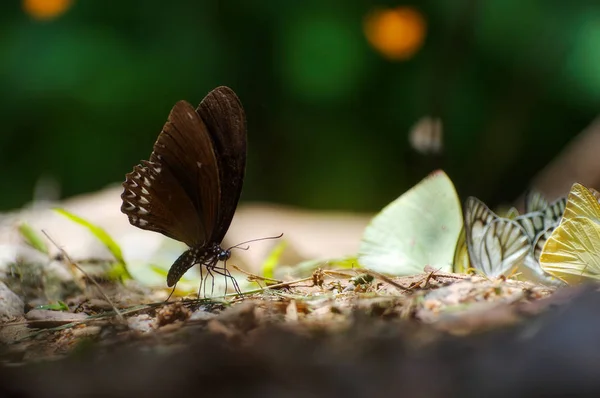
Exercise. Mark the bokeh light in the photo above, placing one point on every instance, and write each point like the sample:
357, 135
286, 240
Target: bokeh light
331, 91
396, 33
46, 9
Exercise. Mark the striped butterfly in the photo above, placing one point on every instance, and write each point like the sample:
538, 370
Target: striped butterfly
572, 252
490, 244
540, 219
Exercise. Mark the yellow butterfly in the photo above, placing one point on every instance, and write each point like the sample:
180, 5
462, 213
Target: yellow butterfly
490, 244
572, 252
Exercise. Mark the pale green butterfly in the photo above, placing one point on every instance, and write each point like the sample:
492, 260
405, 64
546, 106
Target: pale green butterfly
418, 229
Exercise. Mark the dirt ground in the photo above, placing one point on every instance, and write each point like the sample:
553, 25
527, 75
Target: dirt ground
334, 333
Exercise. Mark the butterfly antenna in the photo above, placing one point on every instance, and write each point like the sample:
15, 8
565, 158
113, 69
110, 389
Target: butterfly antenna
254, 240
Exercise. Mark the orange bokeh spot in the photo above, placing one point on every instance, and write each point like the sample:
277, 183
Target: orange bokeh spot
46, 9
396, 33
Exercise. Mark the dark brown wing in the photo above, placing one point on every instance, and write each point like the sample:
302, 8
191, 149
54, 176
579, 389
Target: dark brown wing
150, 192
178, 190
225, 119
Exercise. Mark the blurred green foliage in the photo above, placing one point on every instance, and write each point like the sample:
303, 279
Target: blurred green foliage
86, 93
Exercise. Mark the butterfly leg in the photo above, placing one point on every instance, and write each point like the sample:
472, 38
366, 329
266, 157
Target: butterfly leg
227, 274
170, 294
202, 281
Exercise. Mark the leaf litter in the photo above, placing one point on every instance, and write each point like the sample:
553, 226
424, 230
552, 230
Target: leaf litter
109, 313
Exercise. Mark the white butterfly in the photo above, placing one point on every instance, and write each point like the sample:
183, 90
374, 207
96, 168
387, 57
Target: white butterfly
418, 229
495, 245
540, 219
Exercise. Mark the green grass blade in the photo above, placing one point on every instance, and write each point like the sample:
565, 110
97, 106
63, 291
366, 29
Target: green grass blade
32, 238
58, 306
272, 260
119, 270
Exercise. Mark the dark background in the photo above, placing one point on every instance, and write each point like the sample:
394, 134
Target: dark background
87, 87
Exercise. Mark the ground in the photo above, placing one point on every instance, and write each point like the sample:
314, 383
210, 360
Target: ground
365, 325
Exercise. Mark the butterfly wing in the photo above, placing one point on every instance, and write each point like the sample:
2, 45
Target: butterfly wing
141, 188
581, 202
496, 245
461, 254
539, 222
419, 228
547, 216
511, 213
572, 253
533, 223
165, 194
531, 269
225, 119
535, 201
555, 210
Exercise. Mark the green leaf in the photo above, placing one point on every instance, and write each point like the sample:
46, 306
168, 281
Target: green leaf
32, 238
58, 306
119, 270
272, 260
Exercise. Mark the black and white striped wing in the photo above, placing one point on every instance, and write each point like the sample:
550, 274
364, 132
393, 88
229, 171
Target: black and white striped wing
496, 245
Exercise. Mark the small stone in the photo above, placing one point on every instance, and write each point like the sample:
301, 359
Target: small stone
88, 331
11, 305
51, 319
141, 323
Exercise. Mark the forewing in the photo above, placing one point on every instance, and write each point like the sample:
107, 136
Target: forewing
535, 201
554, 212
504, 248
496, 245
544, 219
225, 119
533, 223
185, 148
418, 229
581, 203
477, 217
178, 188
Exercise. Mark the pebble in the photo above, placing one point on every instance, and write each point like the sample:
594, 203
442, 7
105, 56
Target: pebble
11, 305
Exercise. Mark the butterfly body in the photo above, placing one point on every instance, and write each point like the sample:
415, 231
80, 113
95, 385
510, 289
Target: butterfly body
207, 256
189, 188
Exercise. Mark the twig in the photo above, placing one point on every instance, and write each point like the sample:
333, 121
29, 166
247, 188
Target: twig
255, 277
71, 262
384, 278
333, 272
